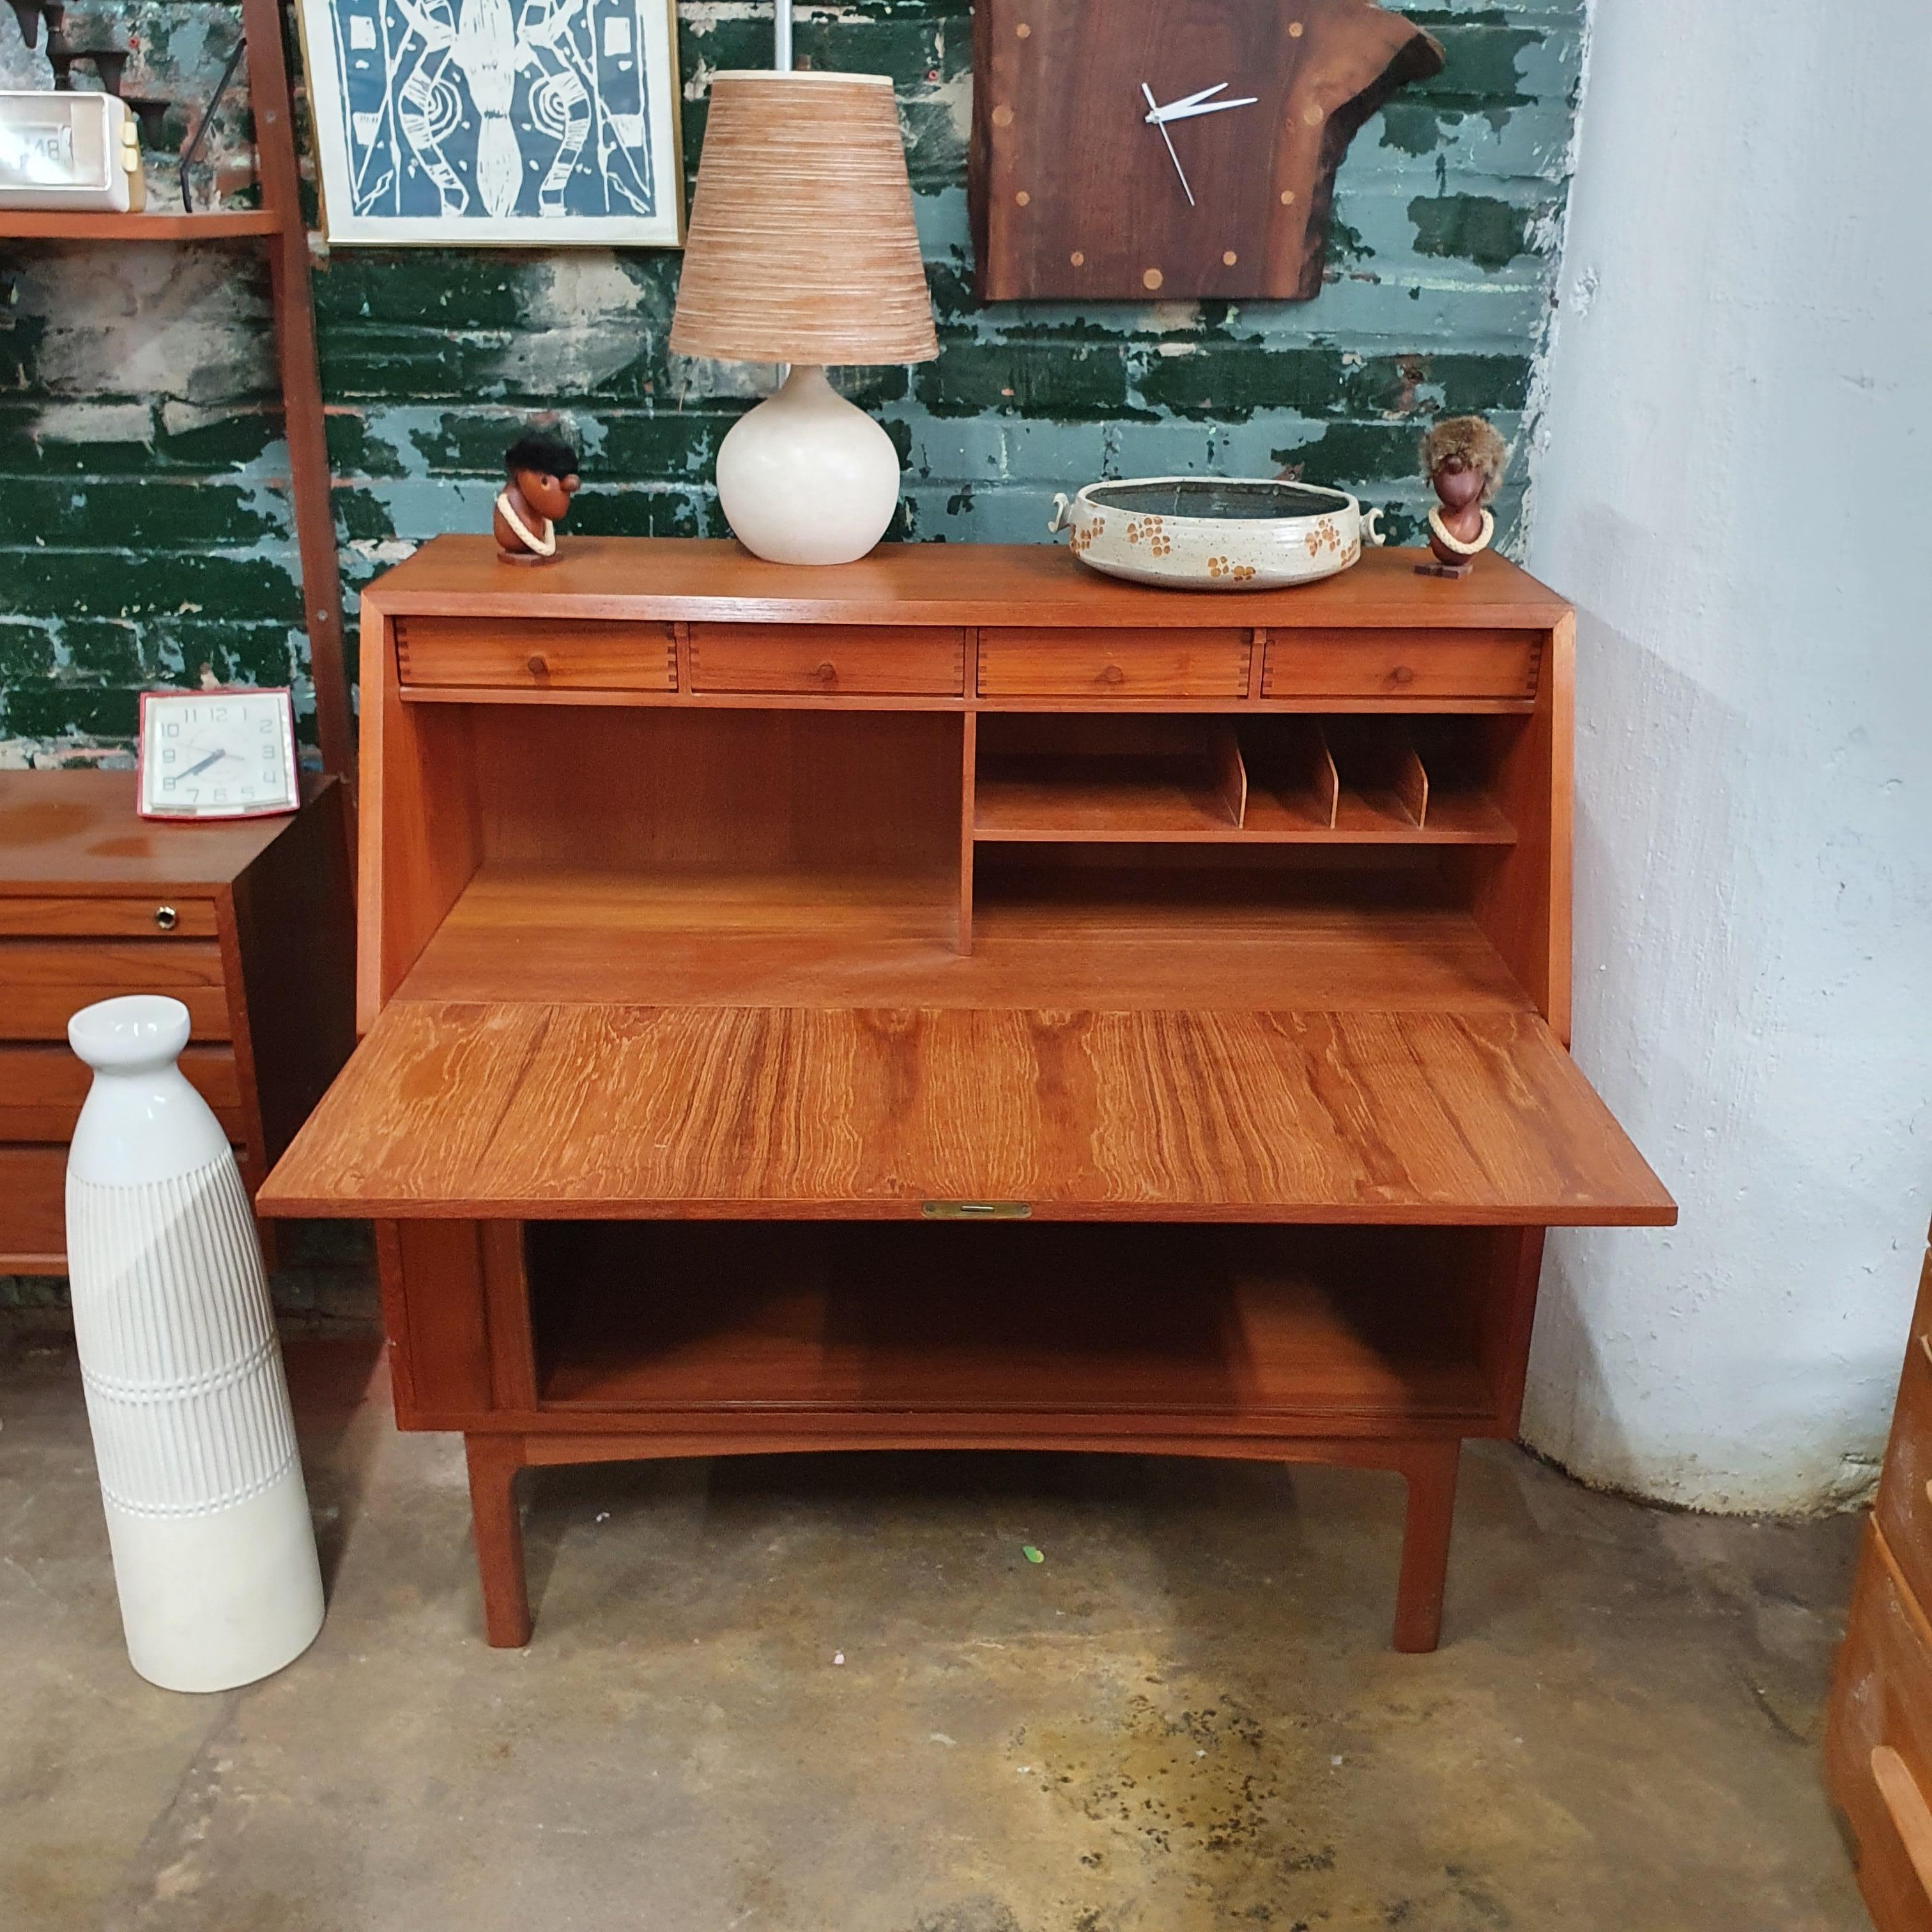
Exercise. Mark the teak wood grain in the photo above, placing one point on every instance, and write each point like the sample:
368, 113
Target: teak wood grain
540, 654
1041, 937
876, 660
1037, 662
695, 580
530, 1111
247, 923
1234, 1331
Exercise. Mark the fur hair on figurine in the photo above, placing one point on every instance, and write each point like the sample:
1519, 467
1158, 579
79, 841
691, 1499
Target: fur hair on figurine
1464, 459
543, 478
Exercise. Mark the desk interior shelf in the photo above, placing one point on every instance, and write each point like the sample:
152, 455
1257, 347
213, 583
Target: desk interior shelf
1212, 1329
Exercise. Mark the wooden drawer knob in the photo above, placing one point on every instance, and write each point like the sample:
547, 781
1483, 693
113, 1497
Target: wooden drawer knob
1402, 674
826, 673
1113, 674
537, 665
166, 918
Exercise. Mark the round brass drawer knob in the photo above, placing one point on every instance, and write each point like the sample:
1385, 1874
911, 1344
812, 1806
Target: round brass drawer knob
166, 918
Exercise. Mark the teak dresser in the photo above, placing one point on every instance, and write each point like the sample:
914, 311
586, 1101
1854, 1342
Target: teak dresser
735, 937
247, 922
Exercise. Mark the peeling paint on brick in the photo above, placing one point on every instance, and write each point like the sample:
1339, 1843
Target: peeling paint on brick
137, 408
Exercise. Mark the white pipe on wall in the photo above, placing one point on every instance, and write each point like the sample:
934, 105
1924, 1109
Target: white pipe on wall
1732, 483
781, 36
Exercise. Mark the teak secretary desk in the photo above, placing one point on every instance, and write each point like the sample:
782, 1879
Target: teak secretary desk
735, 936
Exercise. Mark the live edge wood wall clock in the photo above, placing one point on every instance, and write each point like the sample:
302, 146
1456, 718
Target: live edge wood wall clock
1129, 149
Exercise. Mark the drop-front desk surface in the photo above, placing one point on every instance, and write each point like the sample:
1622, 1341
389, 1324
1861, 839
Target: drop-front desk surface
735, 937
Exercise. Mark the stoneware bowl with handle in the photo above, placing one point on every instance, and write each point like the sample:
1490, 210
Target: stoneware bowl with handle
1214, 533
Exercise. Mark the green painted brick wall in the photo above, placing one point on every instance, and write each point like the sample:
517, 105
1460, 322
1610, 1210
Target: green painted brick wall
146, 534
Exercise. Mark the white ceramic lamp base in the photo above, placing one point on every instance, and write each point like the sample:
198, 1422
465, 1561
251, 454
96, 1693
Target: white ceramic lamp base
807, 477
214, 1555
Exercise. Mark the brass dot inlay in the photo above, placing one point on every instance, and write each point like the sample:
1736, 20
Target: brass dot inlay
1022, 198
1003, 117
1152, 279
1022, 32
1288, 197
1078, 260
1311, 114
1228, 260
1294, 30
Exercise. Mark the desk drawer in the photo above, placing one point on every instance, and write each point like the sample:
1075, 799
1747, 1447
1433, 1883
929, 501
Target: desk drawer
41, 1088
1878, 1740
44, 982
1401, 663
1113, 664
33, 1209
533, 654
883, 660
1904, 1510
164, 916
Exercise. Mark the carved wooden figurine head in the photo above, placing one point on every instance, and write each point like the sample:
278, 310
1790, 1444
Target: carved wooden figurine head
544, 468
1464, 458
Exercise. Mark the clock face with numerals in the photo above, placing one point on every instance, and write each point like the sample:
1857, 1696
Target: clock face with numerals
217, 754
1158, 150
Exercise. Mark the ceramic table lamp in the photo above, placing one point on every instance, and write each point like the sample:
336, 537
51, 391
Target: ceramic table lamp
214, 1553
802, 250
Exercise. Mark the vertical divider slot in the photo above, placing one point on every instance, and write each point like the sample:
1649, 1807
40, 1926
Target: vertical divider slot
1292, 772
1082, 776
1381, 773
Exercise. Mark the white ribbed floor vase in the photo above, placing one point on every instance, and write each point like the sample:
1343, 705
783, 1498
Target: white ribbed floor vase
214, 1553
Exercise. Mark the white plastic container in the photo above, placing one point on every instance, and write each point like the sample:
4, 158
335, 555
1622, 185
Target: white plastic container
73, 150
214, 1555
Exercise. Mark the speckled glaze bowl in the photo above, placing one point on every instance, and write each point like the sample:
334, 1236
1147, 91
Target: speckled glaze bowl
1214, 533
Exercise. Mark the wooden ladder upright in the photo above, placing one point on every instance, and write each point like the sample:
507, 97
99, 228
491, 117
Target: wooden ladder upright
279, 222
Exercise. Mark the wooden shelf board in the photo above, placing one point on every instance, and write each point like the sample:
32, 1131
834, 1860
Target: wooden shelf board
1202, 1329
62, 224
531, 1111
1030, 585
1073, 811
1058, 937
1094, 799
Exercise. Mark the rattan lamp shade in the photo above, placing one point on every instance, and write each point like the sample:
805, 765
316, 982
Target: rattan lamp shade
802, 247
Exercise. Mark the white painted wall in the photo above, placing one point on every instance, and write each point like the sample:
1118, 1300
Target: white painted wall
1731, 481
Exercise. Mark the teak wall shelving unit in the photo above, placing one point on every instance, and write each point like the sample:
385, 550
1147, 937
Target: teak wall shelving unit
279, 222
735, 937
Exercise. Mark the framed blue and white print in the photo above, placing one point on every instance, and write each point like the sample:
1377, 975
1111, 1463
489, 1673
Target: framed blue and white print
520, 123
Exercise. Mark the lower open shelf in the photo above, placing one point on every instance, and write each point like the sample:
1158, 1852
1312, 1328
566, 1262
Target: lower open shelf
1213, 1330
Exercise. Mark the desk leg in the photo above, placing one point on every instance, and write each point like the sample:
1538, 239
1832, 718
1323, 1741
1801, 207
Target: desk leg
494, 1461
1430, 1469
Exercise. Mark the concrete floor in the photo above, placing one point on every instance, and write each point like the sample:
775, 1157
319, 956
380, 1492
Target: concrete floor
1185, 1717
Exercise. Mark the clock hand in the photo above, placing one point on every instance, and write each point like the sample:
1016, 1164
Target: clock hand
1188, 100
1165, 136
1185, 110
213, 757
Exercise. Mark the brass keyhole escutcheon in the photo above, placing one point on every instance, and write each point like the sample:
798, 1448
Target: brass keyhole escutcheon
166, 918
537, 665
